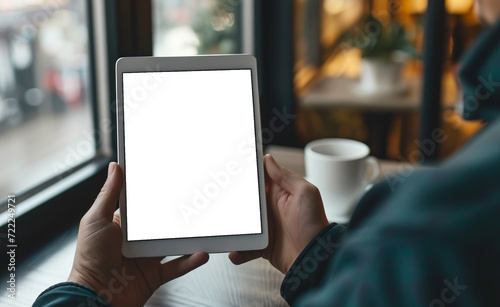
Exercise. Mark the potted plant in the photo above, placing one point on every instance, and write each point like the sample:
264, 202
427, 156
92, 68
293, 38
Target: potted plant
385, 48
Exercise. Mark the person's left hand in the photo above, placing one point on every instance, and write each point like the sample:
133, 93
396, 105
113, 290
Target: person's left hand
99, 264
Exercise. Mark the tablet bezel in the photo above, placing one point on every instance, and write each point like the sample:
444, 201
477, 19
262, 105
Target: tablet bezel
182, 246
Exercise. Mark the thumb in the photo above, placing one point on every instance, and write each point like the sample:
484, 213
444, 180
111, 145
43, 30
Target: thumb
105, 203
284, 177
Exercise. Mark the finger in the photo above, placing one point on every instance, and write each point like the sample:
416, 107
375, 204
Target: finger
105, 202
267, 179
284, 177
242, 257
117, 217
182, 265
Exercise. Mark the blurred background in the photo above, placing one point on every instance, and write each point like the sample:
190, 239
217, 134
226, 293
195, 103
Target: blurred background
358, 73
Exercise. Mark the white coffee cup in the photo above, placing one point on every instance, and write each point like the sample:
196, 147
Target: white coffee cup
341, 169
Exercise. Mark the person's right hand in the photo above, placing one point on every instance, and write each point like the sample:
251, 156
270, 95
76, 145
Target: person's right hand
295, 216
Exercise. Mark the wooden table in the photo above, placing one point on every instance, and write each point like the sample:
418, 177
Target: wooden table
341, 92
378, 109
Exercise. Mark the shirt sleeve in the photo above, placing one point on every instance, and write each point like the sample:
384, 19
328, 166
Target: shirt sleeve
312, 264
69, 294
308, 268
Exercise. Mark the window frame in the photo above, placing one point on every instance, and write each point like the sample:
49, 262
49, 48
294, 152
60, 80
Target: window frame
275, 52
45, 211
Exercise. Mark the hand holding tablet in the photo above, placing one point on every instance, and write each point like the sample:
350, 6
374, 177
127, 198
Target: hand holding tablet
99, 265
189, 144
295, 213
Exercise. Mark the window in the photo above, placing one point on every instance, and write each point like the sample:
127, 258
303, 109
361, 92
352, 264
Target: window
191, 27
46, 113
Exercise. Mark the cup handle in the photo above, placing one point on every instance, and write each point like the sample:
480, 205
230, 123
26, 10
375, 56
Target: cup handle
375, 169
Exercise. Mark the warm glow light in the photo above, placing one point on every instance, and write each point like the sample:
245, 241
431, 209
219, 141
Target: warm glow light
417, 6
459, 6
334, 7
452, 6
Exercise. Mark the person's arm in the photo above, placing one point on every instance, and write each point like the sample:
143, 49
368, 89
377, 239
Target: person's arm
317, 258
418, 245
309, 268
99, 266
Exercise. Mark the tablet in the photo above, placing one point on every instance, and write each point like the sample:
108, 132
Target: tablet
189, 144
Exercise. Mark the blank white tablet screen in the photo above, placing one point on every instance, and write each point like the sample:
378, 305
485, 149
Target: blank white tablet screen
190, 154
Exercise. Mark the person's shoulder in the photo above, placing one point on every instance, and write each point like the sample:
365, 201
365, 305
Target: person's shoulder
483, 149
460, 192
468, 176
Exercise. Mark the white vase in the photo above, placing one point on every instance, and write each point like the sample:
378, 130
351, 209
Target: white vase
380, 77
